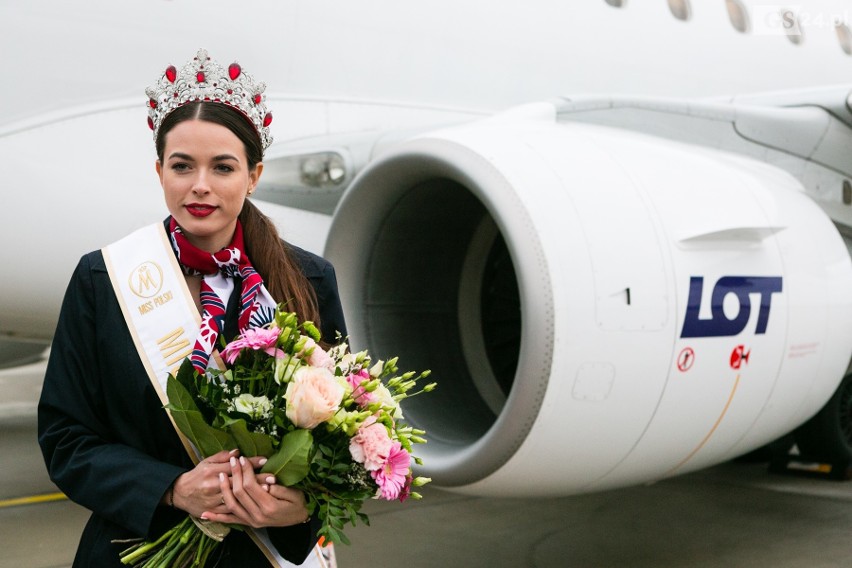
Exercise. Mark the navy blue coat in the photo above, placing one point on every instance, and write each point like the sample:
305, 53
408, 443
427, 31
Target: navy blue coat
107, 442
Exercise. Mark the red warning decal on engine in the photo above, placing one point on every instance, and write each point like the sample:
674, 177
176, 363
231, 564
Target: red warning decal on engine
739, 356
685, 359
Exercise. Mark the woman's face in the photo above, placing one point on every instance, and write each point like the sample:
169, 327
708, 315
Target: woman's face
205, 178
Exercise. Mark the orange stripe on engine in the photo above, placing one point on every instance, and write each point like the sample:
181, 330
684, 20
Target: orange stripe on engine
710, 433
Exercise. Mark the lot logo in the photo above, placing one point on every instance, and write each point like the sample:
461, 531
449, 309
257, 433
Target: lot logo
742, 287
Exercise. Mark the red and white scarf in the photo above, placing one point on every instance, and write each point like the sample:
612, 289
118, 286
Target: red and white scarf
256, 304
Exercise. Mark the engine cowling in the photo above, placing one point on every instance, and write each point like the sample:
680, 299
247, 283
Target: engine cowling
598, 307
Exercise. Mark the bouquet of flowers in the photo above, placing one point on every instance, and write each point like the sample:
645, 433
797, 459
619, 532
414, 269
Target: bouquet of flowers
329, 422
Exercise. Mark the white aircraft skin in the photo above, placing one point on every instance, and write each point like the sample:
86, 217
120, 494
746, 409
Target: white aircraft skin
635, 165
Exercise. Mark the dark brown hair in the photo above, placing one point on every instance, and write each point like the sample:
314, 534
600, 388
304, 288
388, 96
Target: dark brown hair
270, 256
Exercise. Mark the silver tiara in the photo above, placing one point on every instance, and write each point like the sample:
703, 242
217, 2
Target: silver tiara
202, 79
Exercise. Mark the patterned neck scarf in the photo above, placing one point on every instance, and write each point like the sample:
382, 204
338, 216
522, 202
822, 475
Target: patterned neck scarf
230, 262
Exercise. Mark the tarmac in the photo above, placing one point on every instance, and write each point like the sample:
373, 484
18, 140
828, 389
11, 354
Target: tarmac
735, 514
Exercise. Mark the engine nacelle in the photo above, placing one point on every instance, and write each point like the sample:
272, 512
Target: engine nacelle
598, 307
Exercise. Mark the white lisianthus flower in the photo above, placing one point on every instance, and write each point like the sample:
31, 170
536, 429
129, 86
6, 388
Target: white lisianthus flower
385, 398
347, 388
313, 396
285, 367
255, 406
337, 352
346, 363
377, 369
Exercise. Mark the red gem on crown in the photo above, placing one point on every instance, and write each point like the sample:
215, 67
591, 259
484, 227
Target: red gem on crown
203, 79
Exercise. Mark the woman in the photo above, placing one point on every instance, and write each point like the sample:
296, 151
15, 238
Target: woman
107, 441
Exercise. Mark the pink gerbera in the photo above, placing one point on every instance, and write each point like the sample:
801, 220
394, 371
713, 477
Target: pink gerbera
256, 338
392, 475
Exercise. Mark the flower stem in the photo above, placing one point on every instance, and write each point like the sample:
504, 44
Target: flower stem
142, 550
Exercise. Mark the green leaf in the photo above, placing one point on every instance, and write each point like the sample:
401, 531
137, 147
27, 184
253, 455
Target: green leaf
336, 522
290, 463
187, 376
340, 537
189, 420
250, 443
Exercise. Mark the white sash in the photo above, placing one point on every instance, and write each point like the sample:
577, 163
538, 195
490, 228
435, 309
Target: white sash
164, 321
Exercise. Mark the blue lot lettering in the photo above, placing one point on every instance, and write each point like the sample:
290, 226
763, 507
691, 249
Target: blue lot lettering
719, 325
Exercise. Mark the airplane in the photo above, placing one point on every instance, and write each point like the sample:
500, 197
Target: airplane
617, 232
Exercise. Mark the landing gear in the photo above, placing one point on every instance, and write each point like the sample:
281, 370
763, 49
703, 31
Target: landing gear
824, 441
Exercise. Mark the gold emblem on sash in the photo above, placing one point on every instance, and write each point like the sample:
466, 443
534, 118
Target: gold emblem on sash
146, 279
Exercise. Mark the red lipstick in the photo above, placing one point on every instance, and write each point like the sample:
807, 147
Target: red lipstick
200, 209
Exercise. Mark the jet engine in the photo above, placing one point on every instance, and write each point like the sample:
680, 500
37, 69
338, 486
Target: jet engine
598, 307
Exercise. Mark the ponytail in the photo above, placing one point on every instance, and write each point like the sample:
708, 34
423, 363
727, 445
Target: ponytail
273, 260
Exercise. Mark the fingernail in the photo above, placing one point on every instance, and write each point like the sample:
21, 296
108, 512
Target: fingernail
265, 488
221, 476
263, 461
203, 516
242, 460
235, 450
270, 480
233, 462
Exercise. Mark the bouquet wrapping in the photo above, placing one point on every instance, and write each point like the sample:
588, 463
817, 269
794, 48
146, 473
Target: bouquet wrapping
329, 421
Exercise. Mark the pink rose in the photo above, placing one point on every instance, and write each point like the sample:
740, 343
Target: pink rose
318, 357
371, 445
313, 396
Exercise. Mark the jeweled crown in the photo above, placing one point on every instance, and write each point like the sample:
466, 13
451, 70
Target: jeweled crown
203, 79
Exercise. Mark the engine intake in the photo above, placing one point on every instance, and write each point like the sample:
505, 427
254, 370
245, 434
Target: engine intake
543, 271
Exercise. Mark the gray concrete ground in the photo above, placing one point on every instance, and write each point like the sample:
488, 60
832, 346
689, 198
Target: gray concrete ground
732, 515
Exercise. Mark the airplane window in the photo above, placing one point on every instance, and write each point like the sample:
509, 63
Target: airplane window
616, 3
844, 36
738, 15
680, 9
792, 26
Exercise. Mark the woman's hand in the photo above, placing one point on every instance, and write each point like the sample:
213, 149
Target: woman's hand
197, 490
255, 500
